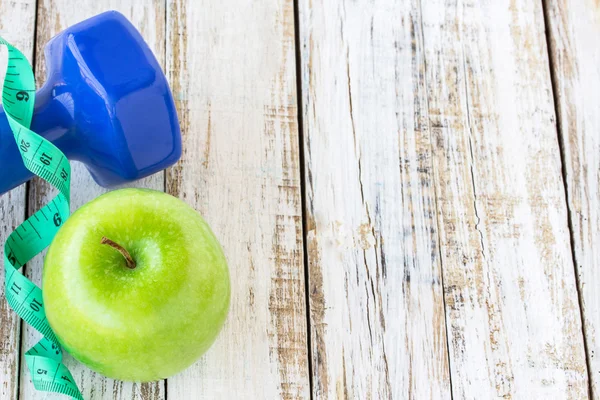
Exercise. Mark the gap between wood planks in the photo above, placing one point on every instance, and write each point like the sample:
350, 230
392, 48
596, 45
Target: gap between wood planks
166, 380
166, 2
560, 138
303, 203
26, 215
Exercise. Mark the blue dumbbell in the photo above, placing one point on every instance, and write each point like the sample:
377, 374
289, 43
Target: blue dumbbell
106, 103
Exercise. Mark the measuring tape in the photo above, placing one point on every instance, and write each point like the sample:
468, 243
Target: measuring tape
35, 234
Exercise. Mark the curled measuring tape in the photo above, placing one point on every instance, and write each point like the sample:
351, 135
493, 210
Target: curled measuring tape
31, 237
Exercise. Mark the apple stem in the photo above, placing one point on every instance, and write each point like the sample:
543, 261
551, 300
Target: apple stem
129, 260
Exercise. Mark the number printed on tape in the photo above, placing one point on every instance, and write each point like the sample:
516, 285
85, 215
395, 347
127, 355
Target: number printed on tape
45, 160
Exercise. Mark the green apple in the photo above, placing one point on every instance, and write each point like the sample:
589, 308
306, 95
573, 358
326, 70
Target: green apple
136, 285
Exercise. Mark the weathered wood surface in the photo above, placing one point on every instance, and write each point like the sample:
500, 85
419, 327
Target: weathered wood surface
574, 29
12, 204
231, 67
12, 212
376, 301
511, 302
52, 17
485, 102
436, 221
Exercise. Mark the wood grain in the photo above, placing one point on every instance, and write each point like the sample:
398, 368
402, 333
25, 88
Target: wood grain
12, 204
376, 302
232, 71
437, 235
574, 29
12, 212
512, 309
52, 17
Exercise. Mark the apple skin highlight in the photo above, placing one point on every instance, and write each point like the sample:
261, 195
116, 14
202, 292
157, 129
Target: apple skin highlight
145, 323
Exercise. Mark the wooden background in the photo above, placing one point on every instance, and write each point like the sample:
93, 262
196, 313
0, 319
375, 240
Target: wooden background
407, 192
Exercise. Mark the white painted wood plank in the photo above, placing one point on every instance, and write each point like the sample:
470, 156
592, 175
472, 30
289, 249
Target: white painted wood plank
12, 212
52, 17
574, 30
232, 69
512, 308
17, 20
376, 301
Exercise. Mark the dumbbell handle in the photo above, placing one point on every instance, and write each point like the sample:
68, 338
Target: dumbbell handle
106, 102
52, 120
